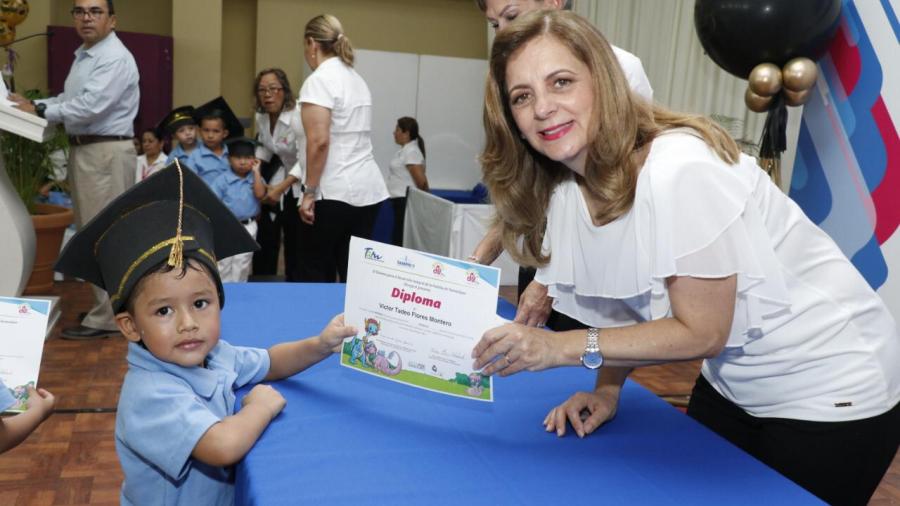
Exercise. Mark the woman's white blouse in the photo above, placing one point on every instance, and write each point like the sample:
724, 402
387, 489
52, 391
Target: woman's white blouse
287, 141
810, 339
145, 169
399, 177
351, 174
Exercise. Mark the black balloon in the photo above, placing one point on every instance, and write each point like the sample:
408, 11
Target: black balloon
740, 34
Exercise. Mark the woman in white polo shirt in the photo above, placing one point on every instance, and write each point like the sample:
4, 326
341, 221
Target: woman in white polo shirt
343, 183
407, 169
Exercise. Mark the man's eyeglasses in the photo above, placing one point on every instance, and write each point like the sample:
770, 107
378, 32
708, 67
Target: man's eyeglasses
271, 90
93, 12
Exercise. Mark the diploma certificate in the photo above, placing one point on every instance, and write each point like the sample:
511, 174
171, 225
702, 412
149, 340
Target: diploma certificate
419, 317
23, 326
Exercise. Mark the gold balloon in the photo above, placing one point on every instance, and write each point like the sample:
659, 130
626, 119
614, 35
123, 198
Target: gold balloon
756, 103
7, 34
795, 98
13, 12
799, 74
765, 79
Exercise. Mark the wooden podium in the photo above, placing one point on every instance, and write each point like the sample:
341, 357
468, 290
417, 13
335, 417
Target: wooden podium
16, 228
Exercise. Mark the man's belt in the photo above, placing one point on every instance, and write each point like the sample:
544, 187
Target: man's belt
81, 140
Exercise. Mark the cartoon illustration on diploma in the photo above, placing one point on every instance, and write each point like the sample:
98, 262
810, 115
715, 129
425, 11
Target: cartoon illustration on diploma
419, 317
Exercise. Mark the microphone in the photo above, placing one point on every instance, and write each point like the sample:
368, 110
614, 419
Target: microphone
48, 33
8, 70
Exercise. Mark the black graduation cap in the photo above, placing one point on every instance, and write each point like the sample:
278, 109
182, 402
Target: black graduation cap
176, 119
218, 108
241, 146
152, 223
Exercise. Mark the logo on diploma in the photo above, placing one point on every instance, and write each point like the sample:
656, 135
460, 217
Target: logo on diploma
372, 255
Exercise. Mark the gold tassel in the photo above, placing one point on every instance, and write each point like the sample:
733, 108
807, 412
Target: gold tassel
176, 255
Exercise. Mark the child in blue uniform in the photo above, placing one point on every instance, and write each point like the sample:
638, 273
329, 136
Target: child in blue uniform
240, 189
180, 126
14, 429
217, 123
154, 250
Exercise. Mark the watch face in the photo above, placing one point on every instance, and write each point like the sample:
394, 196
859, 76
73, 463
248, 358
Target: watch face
592, 360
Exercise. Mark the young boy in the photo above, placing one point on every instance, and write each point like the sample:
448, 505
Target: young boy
180, 125
154, 251
240, 189
14, 429
217, 123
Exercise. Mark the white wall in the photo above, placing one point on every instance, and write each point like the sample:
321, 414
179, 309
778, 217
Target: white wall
445, 95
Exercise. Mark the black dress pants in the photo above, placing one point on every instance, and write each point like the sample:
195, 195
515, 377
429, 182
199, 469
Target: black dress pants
286, 224
326, 243
399, 205
840, 462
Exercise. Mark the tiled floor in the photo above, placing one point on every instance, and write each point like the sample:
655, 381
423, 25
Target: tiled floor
71, 458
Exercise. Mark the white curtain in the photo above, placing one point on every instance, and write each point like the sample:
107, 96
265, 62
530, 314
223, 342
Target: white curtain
661, 33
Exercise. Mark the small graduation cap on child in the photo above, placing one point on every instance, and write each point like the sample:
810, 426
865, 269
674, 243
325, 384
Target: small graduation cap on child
176, 119
241, 146
219, 108
169, 217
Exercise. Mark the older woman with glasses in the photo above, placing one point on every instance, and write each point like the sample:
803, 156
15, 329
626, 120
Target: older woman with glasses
281, 147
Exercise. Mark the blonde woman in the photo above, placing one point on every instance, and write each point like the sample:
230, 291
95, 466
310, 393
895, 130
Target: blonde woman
672, 245
344, 186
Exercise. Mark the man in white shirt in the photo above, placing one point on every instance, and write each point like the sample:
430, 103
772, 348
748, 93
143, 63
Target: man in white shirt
97, 107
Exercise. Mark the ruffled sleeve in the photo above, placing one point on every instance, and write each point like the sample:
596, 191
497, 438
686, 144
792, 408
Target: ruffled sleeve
693, 215
697, 216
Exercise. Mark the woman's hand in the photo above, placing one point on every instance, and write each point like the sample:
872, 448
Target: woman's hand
308, 209
518, 347
534, 305
585, 411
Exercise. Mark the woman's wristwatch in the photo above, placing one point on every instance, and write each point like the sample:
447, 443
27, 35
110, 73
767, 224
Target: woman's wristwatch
592, 358
311, 190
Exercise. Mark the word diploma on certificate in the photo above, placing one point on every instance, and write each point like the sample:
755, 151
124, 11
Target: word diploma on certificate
23, 326
419, 317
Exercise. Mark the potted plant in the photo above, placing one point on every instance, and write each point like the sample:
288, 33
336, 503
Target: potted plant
29, 167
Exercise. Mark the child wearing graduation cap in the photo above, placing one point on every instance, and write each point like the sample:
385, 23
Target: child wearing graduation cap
240, 189
217, 123
154, 250
181, 126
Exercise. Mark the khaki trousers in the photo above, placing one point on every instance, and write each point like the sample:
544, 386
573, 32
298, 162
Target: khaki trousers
98, 173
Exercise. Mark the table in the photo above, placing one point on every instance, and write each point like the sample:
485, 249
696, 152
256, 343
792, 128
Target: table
349, 438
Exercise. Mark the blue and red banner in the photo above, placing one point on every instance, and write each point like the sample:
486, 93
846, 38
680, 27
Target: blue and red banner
847, 171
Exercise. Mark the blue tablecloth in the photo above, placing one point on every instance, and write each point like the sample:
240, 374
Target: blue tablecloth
349, 438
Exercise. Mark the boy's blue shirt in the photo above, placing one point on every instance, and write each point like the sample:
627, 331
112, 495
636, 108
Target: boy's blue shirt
179, 153
207, 164
164, 410
237, 194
